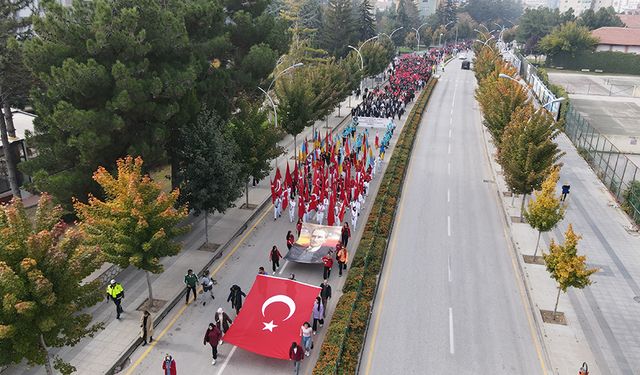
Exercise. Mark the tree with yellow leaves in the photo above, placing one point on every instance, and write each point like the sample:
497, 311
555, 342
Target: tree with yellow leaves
137, 221
42, 265
566, 267
545, 211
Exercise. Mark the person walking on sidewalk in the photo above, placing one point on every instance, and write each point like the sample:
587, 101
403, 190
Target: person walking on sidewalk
296, 354
317, 314
342, 257
565, 191
207, 285
235, 297
292, 208
222, 321
169, 366
325, 295
305, 333
190, 281
345, 234
274, 257
276, 208
328, 263
290, 240
146, 327
115, 292
213, 337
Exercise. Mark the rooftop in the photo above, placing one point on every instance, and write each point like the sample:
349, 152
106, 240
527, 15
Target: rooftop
620, 36
631, 20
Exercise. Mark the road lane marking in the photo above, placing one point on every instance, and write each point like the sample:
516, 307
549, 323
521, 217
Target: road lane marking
450, 132
182, 309
283, 267
449, 225
227, 360
449, 266
449, 168
448, 195
451, 349
449, 149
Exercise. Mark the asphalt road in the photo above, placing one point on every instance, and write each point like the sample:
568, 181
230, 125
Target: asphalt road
449, 300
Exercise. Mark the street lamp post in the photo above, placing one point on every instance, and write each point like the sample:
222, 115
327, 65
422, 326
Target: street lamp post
551, 102
393, 32
418, 33
361, 62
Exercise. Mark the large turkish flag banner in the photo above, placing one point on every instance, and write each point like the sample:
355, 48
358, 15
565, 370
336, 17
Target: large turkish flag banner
272, 315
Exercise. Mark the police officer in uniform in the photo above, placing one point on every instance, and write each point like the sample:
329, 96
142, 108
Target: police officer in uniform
115, 292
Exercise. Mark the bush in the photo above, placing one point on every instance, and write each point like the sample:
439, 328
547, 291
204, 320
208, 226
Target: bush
631, 203
607, 61
341, 348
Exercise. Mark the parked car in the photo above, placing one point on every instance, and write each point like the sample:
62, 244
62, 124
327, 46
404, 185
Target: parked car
466, 65
462, 56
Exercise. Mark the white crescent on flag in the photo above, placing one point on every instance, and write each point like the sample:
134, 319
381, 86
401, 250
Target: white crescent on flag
280, 298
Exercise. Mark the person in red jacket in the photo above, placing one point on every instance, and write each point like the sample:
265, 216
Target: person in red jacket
290, 240
328, 263
296, 354
299, 226
274, 257
213, 336
346, 234
169, 366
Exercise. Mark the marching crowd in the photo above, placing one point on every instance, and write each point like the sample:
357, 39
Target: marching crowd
330, 177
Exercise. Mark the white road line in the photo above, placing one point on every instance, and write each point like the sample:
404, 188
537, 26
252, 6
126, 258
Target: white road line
449, 225
448, 195
449, 168
450, 121
224, 365
449, 133
449, 266
451, 350
283, 267
449, 149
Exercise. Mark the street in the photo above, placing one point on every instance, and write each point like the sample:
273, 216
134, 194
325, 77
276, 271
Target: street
449, 300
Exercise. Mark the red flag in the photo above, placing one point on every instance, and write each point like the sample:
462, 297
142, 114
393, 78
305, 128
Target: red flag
272, 315
300, 206
285, 199
273, 190
277, 182
288, 181
331, 211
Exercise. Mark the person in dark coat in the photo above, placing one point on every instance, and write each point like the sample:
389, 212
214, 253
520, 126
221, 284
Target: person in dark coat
274, 256
235, 297
345, 234
296, 354
325, 295
213, 336
223, 321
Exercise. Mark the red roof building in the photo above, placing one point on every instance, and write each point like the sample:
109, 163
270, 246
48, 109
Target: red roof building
619, 39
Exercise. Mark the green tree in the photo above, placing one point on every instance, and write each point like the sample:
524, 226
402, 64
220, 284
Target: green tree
42, 265
376, 57
407, 17
527, 151
410, 40
257, 142
499, 98
566, 267
569, 38
545, 211
212, 177
601, 18
137, 222
338, 29
535, 24
14, 81
366, 22
446, 14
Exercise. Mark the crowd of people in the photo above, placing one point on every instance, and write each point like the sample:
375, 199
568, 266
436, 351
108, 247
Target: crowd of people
330, 177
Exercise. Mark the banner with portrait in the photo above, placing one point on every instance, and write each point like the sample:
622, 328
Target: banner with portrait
315, 241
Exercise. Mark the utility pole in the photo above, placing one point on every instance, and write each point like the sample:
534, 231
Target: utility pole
10, 158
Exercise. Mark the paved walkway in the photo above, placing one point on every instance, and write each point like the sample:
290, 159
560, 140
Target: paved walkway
604, 318
100, 354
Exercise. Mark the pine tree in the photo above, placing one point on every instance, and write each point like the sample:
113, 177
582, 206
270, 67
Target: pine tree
446, 14
545, 211
527, 151
366, 22
137, 222
566, 267
42, 266
498, 97
338, 29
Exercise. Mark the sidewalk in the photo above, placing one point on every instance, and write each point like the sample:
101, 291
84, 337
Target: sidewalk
602, 319
105, 352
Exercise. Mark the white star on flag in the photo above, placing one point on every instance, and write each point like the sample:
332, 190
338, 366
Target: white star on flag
270, 326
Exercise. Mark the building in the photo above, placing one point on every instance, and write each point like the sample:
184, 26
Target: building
632, 21
23, 123
578, 6
619, 39
427, 7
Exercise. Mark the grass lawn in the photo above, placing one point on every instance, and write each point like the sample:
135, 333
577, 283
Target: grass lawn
162, 175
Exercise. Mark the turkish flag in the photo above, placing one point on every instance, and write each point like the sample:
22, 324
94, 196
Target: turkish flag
272, 315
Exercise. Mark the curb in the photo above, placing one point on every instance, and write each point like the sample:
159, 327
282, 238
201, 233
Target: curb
119, 365
518, 259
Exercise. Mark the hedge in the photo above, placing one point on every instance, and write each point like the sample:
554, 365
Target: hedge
607, 61
341, 348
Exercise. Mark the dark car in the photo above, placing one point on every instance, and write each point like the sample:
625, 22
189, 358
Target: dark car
466, 65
